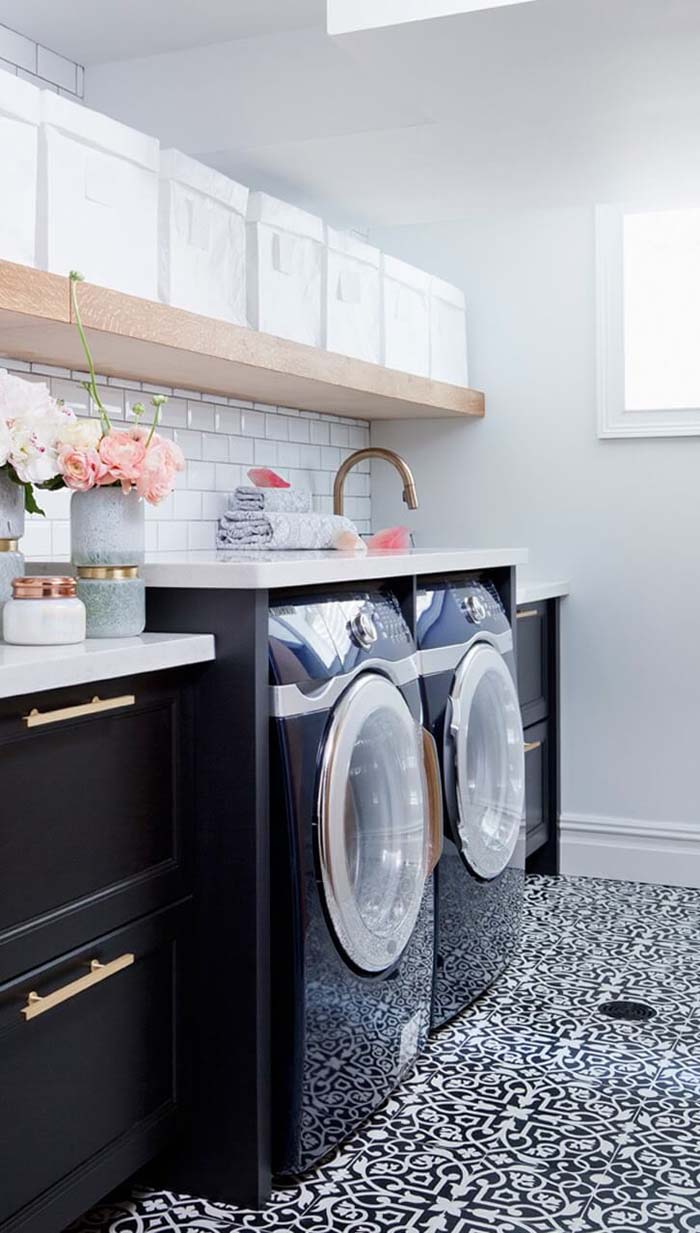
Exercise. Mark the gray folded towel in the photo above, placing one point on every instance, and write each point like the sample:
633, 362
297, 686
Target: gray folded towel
277, 500
250, 529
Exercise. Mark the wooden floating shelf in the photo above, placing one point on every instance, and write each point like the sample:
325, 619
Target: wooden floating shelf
144, 341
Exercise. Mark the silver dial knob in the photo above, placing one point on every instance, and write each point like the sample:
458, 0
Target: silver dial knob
363, 631
475, 609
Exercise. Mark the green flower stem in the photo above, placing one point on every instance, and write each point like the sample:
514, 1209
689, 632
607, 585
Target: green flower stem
90, 386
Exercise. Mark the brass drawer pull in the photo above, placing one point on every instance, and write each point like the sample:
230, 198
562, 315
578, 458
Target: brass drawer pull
38, 1005
527, 613
530, 746
37, 719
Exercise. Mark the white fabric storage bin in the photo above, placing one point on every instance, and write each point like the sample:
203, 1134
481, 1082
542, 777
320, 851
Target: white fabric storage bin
448, 333
406, 317
98, 198
285, 267
20, 104
202, 239
352, 297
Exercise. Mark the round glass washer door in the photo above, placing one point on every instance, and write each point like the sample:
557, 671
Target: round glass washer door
485, 744
373, 823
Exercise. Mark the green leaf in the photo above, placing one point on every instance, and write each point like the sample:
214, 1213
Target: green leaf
30, 504
52, 485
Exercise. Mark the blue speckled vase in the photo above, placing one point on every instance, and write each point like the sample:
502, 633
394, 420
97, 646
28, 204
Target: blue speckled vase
11, 530
107, 527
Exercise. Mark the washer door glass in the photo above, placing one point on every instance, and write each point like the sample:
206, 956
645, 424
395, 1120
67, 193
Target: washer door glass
485, 740
373, 823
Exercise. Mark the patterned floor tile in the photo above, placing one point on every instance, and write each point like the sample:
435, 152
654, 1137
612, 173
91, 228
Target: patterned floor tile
529, 1113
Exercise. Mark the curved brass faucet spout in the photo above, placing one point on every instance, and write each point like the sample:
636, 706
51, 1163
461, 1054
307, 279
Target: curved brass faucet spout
409, 485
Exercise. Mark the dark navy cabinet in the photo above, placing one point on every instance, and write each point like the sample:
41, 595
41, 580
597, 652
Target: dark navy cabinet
537, 630
95, 891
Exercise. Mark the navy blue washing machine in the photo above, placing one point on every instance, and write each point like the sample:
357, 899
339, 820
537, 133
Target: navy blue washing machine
471, 707
356, 829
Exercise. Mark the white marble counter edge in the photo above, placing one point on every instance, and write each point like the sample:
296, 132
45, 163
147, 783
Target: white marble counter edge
232, 571
534, 591
34, 669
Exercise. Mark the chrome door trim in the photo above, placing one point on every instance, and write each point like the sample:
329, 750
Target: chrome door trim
286, 701
364, 949
456, 737
447, 658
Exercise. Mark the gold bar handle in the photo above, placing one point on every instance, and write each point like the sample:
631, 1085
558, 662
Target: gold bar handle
431, 762
38, 719
531, 746
38, 1005
527, 613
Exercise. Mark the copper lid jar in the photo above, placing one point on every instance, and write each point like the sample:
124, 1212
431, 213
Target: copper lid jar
43, 611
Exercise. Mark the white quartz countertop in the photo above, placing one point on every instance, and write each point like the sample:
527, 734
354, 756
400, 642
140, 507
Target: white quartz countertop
534, 590
270, 570
31, 669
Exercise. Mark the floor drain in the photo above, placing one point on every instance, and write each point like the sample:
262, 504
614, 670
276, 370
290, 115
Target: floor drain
628, 1012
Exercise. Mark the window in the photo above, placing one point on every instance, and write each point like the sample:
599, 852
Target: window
648, 290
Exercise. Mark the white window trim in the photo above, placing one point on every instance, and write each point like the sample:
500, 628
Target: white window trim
613, 420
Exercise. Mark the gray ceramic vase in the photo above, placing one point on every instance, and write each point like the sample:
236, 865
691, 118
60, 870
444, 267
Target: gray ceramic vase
11, 529
107, 527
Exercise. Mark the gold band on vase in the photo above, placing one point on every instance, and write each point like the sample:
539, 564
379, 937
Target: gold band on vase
9, 545
111, 572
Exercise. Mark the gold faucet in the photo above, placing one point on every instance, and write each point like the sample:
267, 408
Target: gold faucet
409, 484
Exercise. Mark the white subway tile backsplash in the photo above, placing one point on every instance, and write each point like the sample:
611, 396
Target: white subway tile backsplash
320, 433
277, 427
227, 477
228, 420
220, 444
215, 447
253, 424
190, 442
201, 415
265, 453
241, 449
200, 476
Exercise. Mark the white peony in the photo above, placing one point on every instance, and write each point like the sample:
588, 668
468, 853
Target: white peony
5, 441
82, 434
32, 424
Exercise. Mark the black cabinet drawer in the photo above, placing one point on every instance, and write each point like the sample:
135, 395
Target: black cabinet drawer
95, 818
533, 674
90, 1081
537, 787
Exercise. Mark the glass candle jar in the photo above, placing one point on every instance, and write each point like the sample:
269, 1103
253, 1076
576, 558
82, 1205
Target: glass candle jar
115, 600
43, 612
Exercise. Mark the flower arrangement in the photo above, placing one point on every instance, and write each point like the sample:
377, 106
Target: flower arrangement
44, 445
94, 455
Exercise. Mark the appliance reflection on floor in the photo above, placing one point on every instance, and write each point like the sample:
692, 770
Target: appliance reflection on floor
532, 1111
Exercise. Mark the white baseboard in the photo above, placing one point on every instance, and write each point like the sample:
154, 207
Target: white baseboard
666, 853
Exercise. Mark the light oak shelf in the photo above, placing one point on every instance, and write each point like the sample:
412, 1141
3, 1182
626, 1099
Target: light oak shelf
144, 341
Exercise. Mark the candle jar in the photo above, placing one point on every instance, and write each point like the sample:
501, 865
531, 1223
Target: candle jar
114, 598
43, 611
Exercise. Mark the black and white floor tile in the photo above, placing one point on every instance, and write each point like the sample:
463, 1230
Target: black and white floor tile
531, 1112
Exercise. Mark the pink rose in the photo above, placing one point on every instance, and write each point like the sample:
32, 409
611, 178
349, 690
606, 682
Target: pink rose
123, 455
157, 477
171, 451
81, 469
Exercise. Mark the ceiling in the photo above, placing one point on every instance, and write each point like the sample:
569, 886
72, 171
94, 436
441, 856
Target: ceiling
92, 31
553, 102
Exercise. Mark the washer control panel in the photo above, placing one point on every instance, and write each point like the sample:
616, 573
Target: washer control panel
455, 610
316, 639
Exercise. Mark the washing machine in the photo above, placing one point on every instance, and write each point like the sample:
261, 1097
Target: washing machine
471, 707
356, 830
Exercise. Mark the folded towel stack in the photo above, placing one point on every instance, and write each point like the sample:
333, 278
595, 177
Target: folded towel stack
268, 528
275, 500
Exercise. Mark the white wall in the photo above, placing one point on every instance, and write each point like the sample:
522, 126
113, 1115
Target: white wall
621, 519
